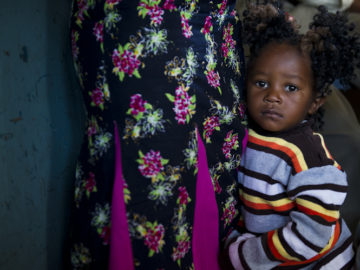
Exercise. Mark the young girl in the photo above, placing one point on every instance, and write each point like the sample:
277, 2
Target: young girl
290, 186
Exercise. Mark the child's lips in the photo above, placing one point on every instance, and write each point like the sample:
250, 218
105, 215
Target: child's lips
272, 113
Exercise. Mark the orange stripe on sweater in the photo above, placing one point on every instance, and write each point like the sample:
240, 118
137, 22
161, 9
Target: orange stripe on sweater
336, 238
281, 148
311, 212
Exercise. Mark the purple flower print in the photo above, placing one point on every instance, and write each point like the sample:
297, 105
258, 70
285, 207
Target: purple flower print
74, 47
113, 2
227, 34
169, 5
242, 110
98, 31
186, 29
224, 49
127, 62
97, 97
90, 183
229, 44
213, 78
153, 238
222, 7
229, 214
105, 234
82, 9
137, 104
182, 248
182, 103
207, 26
91, 129
151, 164
210, 124
156, 13
217, 187
183, 196
231, 142
153, 10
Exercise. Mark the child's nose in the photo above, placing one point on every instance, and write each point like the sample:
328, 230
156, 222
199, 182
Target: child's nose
273, 95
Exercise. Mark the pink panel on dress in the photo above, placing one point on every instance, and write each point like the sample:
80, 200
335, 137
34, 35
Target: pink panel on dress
121, 256
205, 242
245, 140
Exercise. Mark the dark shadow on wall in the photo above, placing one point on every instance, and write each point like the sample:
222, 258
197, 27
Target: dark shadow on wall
67, 129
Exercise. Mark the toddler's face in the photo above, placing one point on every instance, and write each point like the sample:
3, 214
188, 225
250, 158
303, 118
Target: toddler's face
280, 88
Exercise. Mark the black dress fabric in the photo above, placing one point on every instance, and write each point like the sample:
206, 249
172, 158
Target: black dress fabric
159, 70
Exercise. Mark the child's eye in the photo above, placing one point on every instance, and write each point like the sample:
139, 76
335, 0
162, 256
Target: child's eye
261, 84
291, 88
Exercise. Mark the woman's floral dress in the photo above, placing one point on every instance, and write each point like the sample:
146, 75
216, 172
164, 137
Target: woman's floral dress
160, 72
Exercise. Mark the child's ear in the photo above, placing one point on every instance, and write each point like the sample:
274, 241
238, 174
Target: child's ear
316, 104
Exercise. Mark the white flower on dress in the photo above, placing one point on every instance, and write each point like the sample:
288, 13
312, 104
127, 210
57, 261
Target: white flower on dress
111, 19
153, 122
101, 216
156, 40
160, 191
102, 142
191, 152
192, 64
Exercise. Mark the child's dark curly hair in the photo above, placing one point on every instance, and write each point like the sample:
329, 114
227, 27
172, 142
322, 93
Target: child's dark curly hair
333, 48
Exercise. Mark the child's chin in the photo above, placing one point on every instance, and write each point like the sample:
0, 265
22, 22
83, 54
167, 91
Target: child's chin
272, 127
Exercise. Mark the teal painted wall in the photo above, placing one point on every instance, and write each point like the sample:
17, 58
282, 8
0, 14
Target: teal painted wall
41, 127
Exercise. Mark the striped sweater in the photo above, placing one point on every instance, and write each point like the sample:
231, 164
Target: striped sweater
292, 191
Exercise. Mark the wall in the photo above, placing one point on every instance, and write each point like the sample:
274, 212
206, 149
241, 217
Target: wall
41, 126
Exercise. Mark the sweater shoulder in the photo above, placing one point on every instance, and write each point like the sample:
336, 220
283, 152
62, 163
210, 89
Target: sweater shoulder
302, 149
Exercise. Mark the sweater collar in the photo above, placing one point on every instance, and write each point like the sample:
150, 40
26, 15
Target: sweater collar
304, 126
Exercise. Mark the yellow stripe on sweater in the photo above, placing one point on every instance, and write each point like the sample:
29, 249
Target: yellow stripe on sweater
281, 249
318, 208
256, 199
289, 149
327, 151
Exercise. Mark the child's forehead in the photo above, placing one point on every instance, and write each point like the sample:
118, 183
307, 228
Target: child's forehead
284, 59
277, 51
280, 48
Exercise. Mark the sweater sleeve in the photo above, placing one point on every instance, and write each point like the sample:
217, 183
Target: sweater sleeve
314, 225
